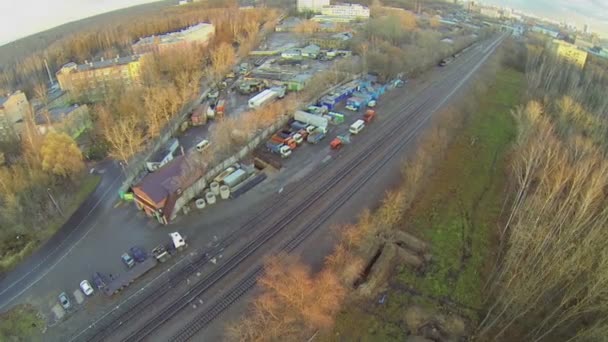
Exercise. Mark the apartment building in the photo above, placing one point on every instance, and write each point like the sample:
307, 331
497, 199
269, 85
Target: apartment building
311, 5
346, 10
13, 107
197, 34
93, 79
570, 53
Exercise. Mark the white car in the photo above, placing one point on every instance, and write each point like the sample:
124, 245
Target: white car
86, 287
201, 146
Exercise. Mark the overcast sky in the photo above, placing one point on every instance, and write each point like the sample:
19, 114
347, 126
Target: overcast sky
21, 18
578, 12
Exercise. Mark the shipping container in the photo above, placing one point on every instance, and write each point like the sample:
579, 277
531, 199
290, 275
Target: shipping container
311, 119
235, 178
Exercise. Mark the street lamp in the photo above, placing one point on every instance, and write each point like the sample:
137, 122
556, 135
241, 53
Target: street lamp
48, 191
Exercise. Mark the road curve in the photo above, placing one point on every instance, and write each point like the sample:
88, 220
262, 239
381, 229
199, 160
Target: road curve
43, 260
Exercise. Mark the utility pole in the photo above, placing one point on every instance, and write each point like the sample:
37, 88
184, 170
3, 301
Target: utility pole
48, 191
48, 71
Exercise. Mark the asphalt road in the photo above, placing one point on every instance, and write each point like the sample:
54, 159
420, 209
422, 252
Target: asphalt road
415, 110
37, 265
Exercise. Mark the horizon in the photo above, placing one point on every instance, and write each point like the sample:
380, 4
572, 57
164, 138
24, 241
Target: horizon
31, 17
593, 13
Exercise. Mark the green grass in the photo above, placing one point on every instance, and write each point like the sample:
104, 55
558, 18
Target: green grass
458, 212
460, 206
21, 323
88, 185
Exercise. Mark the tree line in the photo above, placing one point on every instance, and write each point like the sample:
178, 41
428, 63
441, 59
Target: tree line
109, 40
395, 42
273, 314
550, 281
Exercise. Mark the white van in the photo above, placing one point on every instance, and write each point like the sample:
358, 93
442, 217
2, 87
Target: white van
201, 146
357, 127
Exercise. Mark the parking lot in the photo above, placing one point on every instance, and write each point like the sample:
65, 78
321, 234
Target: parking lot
201, 227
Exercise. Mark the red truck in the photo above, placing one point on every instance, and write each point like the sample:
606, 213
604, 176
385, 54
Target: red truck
369, 115
284, 140
219, 108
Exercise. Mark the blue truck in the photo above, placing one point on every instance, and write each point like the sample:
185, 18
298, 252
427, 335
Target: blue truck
354, 104
316, 136
278, 148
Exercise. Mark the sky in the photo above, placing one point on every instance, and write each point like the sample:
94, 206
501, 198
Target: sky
578, 12
21, 18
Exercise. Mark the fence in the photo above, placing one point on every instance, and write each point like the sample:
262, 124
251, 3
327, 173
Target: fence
137, 165
197, 188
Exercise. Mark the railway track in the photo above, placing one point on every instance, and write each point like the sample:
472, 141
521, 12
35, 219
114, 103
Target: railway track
132, 311
251, 247
206, 317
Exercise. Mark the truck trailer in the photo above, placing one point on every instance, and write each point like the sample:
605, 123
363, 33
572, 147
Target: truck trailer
265, 97
311, 119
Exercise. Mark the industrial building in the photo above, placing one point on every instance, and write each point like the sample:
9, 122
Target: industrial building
93, 79
546, 31
311, 5
569, 52
13, 107
197, 34
334, 41
346, 10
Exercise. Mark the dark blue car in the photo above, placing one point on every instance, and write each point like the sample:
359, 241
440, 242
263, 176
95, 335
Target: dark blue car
139, 254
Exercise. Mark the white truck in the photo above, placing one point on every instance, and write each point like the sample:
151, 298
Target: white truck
311, 119
266, 96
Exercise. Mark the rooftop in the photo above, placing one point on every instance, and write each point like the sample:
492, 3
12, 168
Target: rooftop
55, 114
165, 181
103, 63
172, 37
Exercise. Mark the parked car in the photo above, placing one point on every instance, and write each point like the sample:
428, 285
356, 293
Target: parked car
201, 146
99, 280
86, 287
64, 300
128, 260
138, 253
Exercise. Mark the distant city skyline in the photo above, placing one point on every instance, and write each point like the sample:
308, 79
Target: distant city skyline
22, 18
593, 13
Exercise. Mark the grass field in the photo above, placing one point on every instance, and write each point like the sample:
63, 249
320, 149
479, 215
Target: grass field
457, 213
21, 323
89, 184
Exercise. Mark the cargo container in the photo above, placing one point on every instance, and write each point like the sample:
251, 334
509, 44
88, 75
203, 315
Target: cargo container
235, 178
198, 117
248, 185
311, 119
265, 97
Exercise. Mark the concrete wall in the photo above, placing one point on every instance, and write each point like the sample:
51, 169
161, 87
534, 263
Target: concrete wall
197, 188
